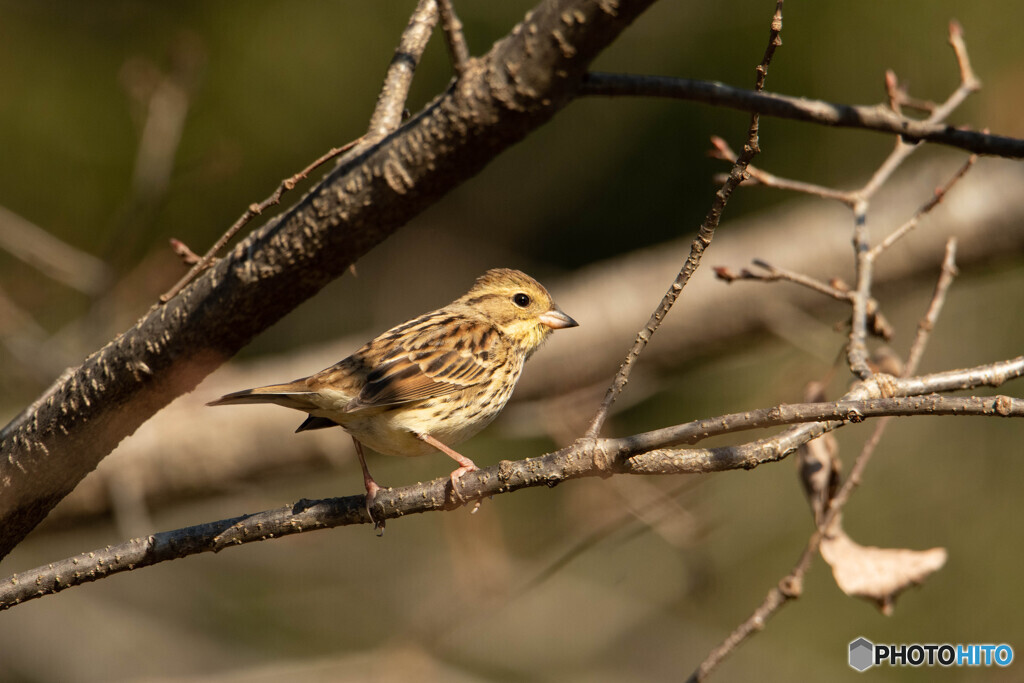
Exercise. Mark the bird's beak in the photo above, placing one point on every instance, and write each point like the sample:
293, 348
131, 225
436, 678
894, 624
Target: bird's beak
556, 320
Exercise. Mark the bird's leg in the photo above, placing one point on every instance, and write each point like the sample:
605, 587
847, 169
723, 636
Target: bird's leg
371, 486
465, 464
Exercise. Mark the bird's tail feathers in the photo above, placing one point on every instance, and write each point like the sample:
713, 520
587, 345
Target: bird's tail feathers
292, 395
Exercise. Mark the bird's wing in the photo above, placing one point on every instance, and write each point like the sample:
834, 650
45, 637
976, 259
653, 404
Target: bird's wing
437, 354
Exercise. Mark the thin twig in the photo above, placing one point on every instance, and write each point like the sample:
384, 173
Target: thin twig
458, 50
927, 324
939, 195
877, 324
387, 114
894, 91
722, 151
857, 352
865, 317
775, 274
254, 210
905, 146
700, 243
857, 349
188, 257
899, 97
917, 349
858, 199
969, 81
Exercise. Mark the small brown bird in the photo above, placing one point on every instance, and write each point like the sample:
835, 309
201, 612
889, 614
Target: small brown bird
430, 383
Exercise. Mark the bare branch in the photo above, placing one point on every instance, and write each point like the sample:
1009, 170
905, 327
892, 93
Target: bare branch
648, 453
254, 210
791, 586
703, 240
927, 324
937, 198
795, 413
721, 150
968, 81
857, 353
913, 360
387, 115
458, 50
775, 274
878, 118
189, 257
877, 323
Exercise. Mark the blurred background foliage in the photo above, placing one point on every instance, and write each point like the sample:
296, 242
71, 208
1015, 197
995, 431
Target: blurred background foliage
271, 85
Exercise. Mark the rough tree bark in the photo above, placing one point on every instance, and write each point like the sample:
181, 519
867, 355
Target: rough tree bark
518, 85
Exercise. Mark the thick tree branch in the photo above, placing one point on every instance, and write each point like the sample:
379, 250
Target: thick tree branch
522, 82
386, 118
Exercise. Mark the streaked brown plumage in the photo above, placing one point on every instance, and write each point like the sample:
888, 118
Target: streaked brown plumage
430, 383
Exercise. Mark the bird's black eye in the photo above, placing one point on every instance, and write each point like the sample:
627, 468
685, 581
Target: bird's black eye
521, 300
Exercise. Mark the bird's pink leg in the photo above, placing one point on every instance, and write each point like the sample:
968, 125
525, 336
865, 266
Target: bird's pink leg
465, 464
371, 486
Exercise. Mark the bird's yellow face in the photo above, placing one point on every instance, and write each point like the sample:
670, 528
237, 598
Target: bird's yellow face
517, 305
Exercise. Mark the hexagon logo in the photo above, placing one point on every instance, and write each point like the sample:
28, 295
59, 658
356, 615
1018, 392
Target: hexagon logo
862, 654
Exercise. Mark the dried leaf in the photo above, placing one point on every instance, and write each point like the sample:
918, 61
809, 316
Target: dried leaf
878, 574
819, 472
819, 464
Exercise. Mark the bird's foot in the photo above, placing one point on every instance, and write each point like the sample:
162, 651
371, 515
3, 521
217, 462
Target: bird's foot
371, 494
468, 466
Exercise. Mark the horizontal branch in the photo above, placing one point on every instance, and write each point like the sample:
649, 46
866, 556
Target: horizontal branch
639, 454
877, 117
796, 413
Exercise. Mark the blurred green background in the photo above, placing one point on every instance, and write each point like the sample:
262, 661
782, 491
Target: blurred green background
269, 86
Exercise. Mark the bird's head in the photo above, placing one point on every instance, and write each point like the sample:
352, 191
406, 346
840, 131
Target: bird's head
517, 305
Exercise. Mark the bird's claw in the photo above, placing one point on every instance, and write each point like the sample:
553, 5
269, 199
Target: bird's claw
455, 476
371, 496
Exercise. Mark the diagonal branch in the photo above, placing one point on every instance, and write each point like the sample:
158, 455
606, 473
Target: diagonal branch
914, 220
201, 263
458, 50
703, 240
51, 446
857, 352
387, 115
927, 324
386, 118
